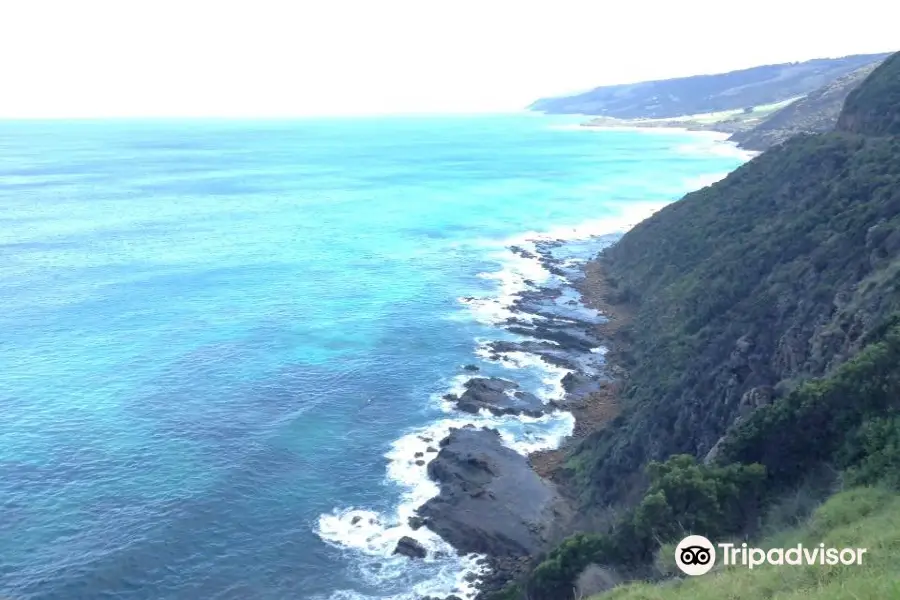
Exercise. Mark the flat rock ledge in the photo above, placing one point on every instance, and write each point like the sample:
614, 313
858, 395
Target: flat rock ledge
491, 501
499, 396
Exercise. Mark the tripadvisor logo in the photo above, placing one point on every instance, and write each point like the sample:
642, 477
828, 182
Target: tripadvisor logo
696, 555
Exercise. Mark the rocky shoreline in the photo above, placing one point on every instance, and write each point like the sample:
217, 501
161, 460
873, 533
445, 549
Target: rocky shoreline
492, 500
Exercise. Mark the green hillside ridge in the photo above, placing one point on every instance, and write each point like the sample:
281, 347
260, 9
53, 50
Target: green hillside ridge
763, 373
699, 94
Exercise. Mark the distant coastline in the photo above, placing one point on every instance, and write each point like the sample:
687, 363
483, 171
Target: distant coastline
721, 125
756, 108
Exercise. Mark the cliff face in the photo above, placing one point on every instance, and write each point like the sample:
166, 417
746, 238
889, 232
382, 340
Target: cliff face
707, 93
815, 113
746, 287
873, 109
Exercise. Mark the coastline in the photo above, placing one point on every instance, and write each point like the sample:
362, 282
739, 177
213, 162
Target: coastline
594, 410
568, 323
551, 313
541, 324
586, 341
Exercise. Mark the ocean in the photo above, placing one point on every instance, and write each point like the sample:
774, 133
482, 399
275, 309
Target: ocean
222, 341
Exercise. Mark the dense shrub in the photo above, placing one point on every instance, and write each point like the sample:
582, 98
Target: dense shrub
816, 422
684, 497
872, 455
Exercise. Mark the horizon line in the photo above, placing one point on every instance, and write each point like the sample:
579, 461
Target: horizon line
269, 117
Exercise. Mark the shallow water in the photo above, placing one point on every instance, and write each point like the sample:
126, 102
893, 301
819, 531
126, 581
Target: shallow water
220, 338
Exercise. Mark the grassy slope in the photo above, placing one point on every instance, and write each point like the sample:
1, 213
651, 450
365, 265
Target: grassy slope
860, 518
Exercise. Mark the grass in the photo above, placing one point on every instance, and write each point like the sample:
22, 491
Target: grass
763, 110
858, 518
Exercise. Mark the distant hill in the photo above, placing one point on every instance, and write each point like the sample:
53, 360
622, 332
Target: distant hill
708, 93
815, 113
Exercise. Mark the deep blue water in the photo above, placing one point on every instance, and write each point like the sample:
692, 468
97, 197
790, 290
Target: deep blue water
212, 333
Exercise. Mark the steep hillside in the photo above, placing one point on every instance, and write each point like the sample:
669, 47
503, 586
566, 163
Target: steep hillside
770, 276
873, 109
707, 93
763, 361
815, 113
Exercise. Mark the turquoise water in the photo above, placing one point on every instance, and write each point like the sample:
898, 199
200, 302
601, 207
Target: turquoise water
213, 333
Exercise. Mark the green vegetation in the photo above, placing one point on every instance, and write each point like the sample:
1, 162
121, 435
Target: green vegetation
771, 276
844, 413
874, 453
872, 109
683, 498
859, 518
841, 418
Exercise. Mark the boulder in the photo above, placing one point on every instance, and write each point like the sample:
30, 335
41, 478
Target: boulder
498, 396
407, 546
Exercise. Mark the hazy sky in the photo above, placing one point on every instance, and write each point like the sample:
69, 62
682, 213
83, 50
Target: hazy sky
270, 58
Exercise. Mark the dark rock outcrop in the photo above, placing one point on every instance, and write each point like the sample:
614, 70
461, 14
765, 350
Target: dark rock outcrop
491, 501
500, 396
407, 546
522, 252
